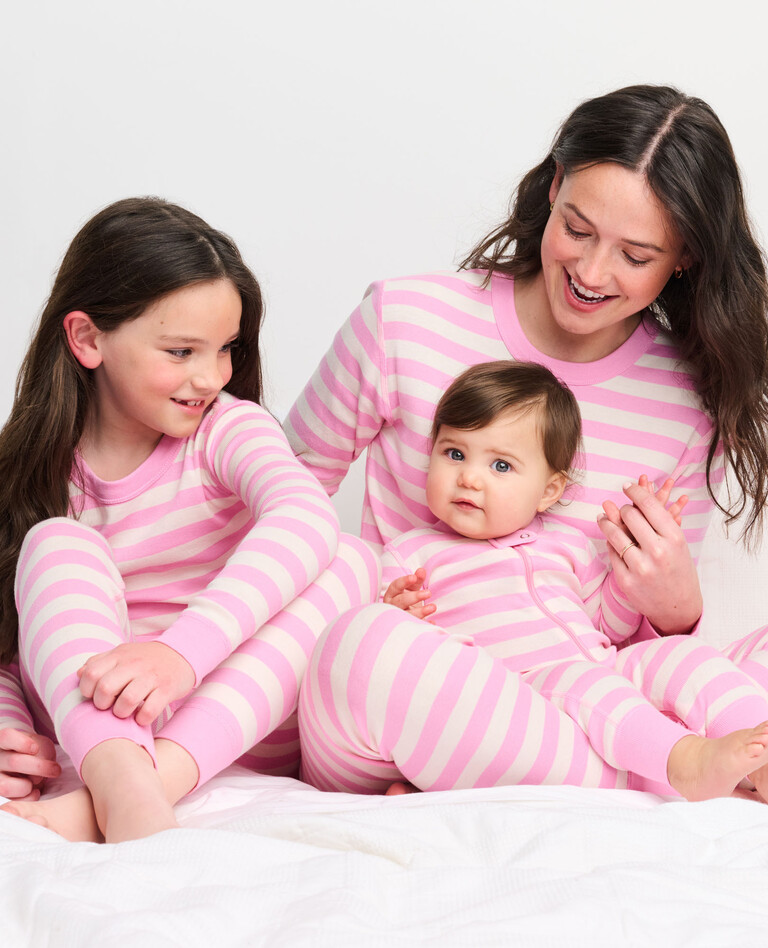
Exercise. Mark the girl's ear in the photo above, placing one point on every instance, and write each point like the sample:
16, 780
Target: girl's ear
82, 336
554, 188
553, 491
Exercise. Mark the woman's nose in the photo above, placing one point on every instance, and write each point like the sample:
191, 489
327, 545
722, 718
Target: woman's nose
592, 270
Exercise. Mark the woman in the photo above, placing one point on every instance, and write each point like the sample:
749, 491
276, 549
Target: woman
628, 267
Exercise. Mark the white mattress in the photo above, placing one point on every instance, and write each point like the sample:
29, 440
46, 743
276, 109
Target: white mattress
270, 862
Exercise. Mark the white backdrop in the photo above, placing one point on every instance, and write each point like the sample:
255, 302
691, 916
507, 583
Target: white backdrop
337, 142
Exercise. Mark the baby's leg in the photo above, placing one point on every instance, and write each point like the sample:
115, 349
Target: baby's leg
750, 654
631, 734
389, 697
689, 679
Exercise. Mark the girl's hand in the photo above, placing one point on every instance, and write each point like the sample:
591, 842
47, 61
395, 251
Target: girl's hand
408, 593
139, 678
27, 760
655, 572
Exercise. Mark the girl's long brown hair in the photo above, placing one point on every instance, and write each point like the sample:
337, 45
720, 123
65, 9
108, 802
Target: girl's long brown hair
125, 258
717, 312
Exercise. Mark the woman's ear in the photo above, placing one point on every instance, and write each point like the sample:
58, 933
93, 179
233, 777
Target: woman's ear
557, 181
82, 336
553, 491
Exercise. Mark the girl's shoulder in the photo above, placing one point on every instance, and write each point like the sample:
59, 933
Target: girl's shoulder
228, 410
233, 420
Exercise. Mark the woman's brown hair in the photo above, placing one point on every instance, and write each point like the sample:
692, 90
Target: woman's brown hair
717, 313
125, 258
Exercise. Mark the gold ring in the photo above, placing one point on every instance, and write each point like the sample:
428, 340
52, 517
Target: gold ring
627, 547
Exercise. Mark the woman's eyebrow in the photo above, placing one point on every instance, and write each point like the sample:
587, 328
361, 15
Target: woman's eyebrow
626, 240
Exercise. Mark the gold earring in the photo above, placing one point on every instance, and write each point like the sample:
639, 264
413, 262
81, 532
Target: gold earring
552, 206
678, 272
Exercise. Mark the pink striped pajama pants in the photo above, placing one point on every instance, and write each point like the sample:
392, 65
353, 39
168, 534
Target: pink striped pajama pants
387, 696
71, 604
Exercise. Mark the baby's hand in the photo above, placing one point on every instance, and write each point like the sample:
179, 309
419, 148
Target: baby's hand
662, 494
140, 678
26, 761
408, 593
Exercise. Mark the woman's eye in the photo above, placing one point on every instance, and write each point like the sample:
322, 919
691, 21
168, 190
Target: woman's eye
634, 261
229, 346
454, 454
578, 234
179, 353
501, 467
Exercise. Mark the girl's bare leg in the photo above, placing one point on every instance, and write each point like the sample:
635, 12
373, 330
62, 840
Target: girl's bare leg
124, 797
70, 815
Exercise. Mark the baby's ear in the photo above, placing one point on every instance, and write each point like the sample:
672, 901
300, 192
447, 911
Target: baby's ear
82, 336
553, 491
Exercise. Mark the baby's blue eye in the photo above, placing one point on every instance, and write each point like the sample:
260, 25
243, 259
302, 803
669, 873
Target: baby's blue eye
454, 454
501, 467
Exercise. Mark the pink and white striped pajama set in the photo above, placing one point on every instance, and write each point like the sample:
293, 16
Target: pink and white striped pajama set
540, 604
457, 715
221, 546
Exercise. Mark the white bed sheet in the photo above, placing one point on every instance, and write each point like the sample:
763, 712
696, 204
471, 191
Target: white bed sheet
271, 862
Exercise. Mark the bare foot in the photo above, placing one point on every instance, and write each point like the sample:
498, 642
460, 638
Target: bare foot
702, 768
128, 796
70, 815
399, 787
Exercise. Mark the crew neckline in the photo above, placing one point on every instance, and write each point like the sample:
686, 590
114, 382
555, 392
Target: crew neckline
126, 488
572, 373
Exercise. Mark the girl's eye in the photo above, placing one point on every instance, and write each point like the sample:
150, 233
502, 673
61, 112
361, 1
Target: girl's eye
578, 234
634, 261
501, 467
229, 346
454, 454
179, 353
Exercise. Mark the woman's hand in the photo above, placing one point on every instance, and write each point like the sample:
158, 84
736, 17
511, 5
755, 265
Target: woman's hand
408, 593
650, 557
27, 760
140, 678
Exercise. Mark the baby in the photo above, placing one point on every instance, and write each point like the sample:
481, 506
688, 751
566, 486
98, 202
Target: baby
535, 594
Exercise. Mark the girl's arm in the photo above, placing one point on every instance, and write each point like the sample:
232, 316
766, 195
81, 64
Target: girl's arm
26, 758
343, 406
293, 539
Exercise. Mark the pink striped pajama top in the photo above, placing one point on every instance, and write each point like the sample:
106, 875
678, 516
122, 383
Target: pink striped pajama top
537, 596
378, 385
213, 535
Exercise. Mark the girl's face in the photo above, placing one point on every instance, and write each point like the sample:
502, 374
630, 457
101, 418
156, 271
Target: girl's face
492, 481
159, 373
607, 251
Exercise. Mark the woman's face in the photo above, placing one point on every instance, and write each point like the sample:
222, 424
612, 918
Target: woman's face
608, 249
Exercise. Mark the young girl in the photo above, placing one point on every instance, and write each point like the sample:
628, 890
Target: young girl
531, 593
170, 555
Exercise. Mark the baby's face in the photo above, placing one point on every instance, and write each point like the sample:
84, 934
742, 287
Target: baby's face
491, 481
